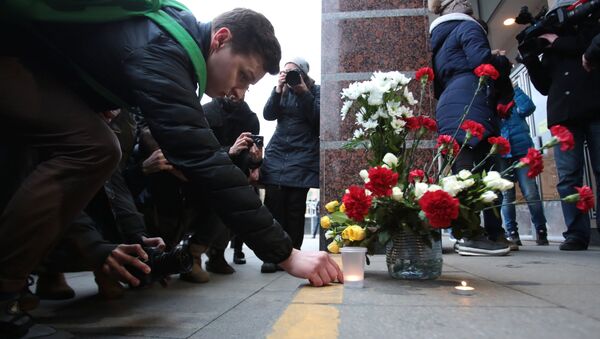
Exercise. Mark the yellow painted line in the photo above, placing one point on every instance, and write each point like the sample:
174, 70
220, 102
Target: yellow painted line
312, 313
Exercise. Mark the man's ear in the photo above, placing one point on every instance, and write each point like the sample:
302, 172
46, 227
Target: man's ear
219, 38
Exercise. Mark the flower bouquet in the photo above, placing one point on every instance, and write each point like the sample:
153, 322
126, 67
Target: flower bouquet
400, 205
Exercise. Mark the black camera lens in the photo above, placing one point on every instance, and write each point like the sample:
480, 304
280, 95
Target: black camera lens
292, 78
163, 264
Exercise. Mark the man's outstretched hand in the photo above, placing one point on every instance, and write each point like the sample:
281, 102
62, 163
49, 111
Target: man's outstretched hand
318, 267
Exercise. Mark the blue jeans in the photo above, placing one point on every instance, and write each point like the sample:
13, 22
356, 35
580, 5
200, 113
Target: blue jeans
570, 174
529, 189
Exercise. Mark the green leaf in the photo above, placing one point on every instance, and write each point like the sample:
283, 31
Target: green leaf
339, 218
384, 237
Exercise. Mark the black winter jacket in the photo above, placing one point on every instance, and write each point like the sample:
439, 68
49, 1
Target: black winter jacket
143, 65
572, 92
292, 156
228, 120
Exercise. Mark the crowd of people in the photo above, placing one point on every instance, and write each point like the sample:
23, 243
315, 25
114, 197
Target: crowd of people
110, 164
564, 70
128, 176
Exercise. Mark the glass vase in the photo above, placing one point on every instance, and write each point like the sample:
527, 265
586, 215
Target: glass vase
410, 256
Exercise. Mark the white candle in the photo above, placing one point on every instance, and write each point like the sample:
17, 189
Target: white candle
463, 289
353, 277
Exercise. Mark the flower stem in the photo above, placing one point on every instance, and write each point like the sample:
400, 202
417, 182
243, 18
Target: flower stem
462, 119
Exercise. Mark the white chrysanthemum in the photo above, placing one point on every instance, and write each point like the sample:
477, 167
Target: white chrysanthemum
420, 189
370, 124
353, 91
489, 196
390, 160
393, 108
397, 193
409, 97
359, 133
464, 174
381, 113
346, 108
375, 96
398, 125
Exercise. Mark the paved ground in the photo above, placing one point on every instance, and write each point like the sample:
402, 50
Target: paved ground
536, 292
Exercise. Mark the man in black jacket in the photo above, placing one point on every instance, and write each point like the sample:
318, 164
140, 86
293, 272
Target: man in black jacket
42, 102
572, 102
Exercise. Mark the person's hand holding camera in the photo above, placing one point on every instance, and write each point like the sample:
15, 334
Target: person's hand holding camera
243, 142
301, 87
256, 153
126, 255
280, 81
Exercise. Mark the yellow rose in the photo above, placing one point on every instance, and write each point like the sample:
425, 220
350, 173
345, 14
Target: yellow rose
325, 222
343, 208
330, 207
354, 233
333, 247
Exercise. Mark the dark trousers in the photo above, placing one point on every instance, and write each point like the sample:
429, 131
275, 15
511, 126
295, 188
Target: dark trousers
467, 159
78, 152
288, 206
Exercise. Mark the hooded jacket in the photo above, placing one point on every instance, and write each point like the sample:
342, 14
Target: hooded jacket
147, 68
459, 45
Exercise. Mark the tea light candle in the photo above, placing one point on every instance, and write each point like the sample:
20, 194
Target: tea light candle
463, 289
353, 263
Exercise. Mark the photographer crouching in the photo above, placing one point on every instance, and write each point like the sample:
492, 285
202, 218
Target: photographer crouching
565, 33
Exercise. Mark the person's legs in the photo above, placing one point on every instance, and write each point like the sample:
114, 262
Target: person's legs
530, 190
569, 165
296, 209
78, 153
479, 244
508, 210
276, 202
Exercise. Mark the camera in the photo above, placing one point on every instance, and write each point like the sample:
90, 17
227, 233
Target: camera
293, 77
530, 45
258, 140
163, 264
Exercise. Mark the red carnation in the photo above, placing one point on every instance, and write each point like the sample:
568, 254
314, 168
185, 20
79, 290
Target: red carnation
440, 208
486, 70
501, 145
533, 159
429, 123
424, 72
504, 110
381, 181
586, 198
564, 136
357, 203
445, 141
474, 128
416, 174
413, 123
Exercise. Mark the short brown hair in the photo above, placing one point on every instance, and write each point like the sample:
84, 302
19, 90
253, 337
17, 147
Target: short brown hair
252, 33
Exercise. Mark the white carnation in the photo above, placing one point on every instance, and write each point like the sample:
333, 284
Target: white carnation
364, 174
420, 189
464, 174
329, 234
489, 196
397, 193
433, 188
390, 160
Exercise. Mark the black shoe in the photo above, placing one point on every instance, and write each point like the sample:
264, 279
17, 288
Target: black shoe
268, 267
542, 238
513, 245
217, 264
571, 244
239, 258
14, 323
27, 300
514, 237
480, 246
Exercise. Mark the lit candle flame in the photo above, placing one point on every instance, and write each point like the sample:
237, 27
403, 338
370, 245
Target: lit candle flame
464, 283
